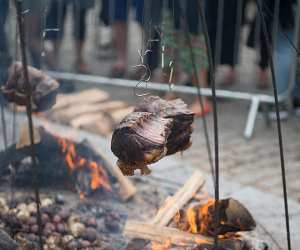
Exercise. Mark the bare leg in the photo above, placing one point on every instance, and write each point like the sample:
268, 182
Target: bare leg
80, 64
229, 77
33, 22
196, 107
52, 55
264, 82
120, 41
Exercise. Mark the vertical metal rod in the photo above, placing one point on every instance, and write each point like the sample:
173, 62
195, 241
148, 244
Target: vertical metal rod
219, 33
199, 92
3, 123
238, 27
20, 21
280, 140
215, 116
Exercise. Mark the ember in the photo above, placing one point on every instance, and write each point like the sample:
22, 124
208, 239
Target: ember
234, 217
75, 162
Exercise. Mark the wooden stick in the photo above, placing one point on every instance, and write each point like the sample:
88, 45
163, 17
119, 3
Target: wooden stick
176, 202
127, 189
161, 234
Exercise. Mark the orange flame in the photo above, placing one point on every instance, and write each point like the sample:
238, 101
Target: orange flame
161, 246
204, 213
99, 177
192, 220
197, 216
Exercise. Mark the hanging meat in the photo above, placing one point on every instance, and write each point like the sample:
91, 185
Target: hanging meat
140, 139
183, 118
44, 88
155, 128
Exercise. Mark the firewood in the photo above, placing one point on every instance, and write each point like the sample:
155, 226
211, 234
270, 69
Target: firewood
139, 140
86, 119
173, 236
70, 112
102, 127
86, 96
24, 138
172, 204
127, 189
118, 115
141, 230
44, 89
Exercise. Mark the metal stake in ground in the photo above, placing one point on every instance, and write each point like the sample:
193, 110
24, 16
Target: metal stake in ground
280, 141
28, 90
215, 116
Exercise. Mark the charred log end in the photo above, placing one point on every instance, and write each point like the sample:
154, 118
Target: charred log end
237, 214
233, 217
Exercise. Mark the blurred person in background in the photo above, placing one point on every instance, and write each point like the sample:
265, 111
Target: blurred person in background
163, 25
180, 17
283, 50
55, 25
228, 31
120, 10
33, 26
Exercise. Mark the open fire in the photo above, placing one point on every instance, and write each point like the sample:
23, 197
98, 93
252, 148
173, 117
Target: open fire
77, 163
71, 164
200, 219
234, 217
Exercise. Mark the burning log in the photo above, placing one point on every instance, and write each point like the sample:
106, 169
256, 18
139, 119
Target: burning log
44, 88
234, 217
70, 162
176, 237
155, 129
141, 230
127, 189
182, 196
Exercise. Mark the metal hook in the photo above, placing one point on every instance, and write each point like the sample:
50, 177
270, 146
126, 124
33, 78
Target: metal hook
171, 85
145, 78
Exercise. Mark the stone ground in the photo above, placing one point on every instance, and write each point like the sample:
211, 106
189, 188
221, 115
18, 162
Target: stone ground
249, 169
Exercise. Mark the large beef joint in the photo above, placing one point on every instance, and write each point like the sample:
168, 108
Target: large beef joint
155, 128
44, 88
140, 139
182, 118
